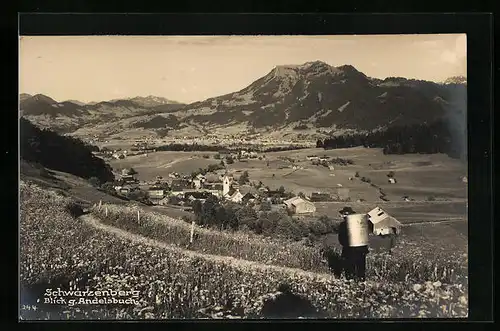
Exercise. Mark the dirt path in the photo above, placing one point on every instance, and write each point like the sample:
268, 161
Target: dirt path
94, 222
169, 164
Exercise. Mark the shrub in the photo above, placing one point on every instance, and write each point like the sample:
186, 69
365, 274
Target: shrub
366, 180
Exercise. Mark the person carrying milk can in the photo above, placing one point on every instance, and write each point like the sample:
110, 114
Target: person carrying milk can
353, 237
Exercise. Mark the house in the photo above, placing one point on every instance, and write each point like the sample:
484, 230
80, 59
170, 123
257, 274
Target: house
249, 197
126, 189
392, 180
250, 194
236, 197
200, 177
383, 223
179, 185
324, 158
312, 157
156, 193
163, 202
299, 206
196, 183
331, 168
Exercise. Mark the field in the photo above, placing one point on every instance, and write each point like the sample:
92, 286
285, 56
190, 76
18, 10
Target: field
433, 177
164, 163
99, 253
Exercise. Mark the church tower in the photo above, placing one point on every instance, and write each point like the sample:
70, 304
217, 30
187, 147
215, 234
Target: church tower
226, 182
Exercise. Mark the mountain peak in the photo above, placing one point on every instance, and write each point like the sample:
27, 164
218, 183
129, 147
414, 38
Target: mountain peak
43, 98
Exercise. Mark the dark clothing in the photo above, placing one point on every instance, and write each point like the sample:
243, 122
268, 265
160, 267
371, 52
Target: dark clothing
354, 261
353, 258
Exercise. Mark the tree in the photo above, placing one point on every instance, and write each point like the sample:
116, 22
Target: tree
229, 160
244, 178
265, 206
132, 171
197, 208
281, 190
94, 181
301, 195
319, 144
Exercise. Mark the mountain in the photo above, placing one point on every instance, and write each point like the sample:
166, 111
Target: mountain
76, 102
40, 104
152, 101
24, 96
456, 80
72, 115
317, 95
306, 100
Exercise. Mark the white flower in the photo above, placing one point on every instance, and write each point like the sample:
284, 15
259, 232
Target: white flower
437, 284
417, 287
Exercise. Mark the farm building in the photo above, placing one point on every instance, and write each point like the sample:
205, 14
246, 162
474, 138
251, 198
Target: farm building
299, 206
392, 180
383, 223
319, 196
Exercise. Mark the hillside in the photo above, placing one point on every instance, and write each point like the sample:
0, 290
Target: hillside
304, 100
318, 95
60, 153
68, 116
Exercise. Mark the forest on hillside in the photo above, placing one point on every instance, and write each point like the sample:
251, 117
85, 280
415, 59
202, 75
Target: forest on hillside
437, 137
61, 153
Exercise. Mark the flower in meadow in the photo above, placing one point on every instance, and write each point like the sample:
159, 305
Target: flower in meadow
437, 284
417, 287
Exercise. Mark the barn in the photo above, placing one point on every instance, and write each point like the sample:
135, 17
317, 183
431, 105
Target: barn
383, 223
299, 206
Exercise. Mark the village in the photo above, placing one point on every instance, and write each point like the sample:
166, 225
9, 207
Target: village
182, 190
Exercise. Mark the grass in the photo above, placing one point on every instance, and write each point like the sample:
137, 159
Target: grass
412, 265
60, 251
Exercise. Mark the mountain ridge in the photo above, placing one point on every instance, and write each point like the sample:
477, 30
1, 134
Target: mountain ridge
313, 96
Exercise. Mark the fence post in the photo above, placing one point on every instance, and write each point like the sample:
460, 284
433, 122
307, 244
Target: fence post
138, 217
106, 211
100, 203
192, 232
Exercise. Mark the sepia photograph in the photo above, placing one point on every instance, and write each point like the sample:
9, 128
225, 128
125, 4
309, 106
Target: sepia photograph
243, 177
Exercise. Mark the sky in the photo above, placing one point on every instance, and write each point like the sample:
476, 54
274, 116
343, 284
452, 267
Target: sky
194, 68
